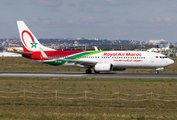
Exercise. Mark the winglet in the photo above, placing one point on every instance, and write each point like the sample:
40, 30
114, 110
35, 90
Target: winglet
96, 49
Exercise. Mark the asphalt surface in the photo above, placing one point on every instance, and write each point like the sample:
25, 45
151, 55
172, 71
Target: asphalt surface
83, 75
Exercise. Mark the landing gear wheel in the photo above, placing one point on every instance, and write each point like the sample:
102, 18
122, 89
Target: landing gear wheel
157, 72
88, 71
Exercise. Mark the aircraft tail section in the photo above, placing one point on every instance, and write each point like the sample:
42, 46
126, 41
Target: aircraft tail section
168, 46
28, 40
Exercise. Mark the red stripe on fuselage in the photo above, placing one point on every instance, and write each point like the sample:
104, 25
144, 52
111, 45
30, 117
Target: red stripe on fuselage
63, 53
38, 56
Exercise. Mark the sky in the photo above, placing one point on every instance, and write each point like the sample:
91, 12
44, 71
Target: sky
141, 20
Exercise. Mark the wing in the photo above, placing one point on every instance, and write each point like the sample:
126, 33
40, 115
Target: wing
81, 62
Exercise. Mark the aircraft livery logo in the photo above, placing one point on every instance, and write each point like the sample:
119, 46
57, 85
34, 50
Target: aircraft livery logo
122, 54
33, 43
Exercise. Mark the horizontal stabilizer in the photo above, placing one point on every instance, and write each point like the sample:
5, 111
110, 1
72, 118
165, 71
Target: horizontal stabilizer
20, 52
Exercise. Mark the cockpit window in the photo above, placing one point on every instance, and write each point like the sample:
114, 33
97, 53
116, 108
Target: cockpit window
163, 57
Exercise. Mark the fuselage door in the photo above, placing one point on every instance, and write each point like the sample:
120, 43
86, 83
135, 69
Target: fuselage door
152, 58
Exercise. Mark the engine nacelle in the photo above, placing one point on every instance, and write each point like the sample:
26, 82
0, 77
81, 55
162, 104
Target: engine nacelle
103, 67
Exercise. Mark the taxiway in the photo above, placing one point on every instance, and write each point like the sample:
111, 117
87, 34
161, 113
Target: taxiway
117, 75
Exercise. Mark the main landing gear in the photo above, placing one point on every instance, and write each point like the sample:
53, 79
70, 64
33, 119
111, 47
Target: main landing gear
88, 71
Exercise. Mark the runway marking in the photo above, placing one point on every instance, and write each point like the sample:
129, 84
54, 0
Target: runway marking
83, 75
66, 75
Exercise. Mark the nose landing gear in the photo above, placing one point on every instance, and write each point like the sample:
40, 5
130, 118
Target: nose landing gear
157, 72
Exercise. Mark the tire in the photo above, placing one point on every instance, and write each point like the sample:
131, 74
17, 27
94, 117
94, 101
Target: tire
88, 71
157, 72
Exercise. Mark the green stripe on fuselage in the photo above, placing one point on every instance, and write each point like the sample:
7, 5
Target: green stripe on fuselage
55, 62
83, 54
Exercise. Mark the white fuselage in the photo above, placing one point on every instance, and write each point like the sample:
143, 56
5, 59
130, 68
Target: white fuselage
130, 59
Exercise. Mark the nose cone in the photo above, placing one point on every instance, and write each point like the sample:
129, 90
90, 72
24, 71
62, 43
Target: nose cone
170, 61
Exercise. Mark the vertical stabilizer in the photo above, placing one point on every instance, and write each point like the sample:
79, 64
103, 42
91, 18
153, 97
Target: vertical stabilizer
29, 41
168, 46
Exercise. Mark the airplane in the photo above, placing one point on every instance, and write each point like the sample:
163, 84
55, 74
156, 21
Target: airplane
167, 48
159, 49
100, 61
11, 49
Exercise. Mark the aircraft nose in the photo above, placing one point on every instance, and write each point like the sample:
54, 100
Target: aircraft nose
170, 61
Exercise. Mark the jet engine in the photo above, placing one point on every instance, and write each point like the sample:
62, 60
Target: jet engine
103, 67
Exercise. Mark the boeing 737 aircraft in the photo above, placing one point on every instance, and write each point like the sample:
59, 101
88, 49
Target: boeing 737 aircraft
100, 61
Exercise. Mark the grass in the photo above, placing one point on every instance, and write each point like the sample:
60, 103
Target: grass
18, 108
80, 109
23, 64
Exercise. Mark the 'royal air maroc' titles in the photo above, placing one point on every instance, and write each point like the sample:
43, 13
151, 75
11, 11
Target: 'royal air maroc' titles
121, 54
